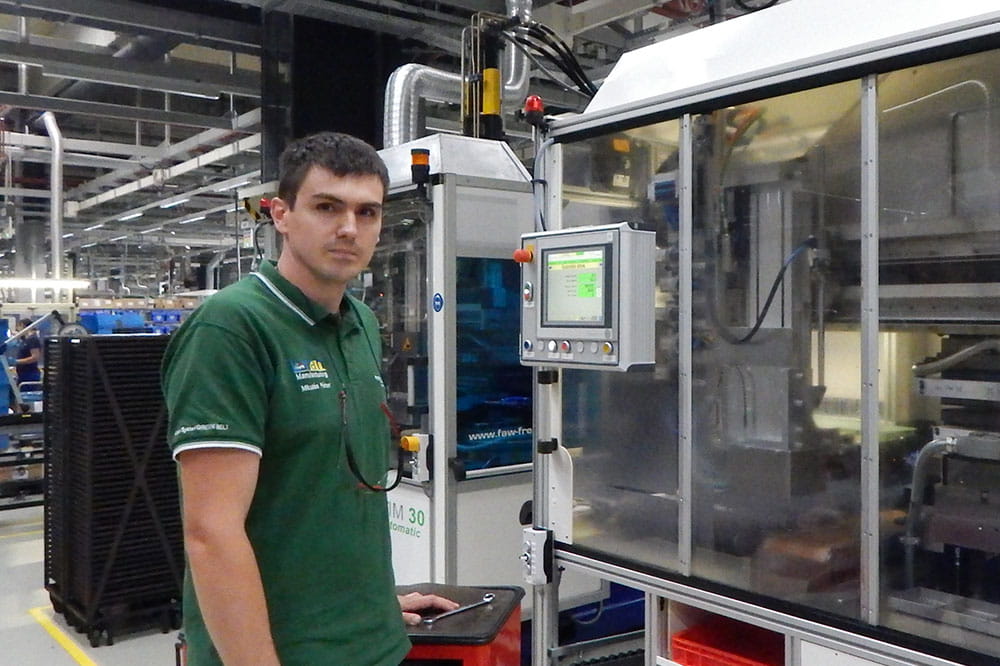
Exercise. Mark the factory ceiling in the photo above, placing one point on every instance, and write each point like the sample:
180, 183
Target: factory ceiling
159, 108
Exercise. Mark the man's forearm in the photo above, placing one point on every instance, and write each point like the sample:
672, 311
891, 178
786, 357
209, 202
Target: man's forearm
231, 598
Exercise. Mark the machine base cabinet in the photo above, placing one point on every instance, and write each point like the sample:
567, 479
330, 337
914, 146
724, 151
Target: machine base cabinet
693, 636
810, 653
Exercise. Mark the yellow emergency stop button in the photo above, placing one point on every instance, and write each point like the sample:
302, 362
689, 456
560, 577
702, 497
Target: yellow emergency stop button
409, 443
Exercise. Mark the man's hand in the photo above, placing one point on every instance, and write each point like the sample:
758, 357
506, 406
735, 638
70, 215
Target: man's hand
414, 602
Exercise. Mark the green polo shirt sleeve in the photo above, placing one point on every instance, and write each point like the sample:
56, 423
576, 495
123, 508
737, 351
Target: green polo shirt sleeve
215, 383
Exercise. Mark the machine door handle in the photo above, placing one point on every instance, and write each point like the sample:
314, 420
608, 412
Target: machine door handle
457, 468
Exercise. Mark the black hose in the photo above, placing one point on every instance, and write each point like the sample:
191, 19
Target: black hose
810, 242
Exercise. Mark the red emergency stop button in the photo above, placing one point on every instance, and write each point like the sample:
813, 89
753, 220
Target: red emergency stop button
524, 255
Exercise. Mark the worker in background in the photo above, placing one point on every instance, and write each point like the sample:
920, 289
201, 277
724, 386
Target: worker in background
276, 421
29, 354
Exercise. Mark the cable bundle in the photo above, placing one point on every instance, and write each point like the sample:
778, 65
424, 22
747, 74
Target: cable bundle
538, 41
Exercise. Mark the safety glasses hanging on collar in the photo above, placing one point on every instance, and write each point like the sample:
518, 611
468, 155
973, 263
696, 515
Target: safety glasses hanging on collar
346, 440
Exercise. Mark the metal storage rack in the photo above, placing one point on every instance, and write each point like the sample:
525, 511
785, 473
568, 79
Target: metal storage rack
113, 544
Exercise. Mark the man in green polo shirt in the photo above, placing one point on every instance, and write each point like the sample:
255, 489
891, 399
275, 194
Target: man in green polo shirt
277, 424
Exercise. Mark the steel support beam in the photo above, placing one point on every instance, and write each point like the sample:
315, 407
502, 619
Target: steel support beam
129, 150
124, 16
102, 109
177, 77
182, 150
69, 159
160, 176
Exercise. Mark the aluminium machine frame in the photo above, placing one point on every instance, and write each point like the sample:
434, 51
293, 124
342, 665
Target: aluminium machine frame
816, 449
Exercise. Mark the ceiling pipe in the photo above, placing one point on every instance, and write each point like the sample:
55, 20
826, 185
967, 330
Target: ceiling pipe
410, 83
142, 48
56, 188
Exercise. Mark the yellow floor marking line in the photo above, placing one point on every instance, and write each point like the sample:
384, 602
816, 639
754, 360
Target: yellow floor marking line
21, 534
65, 641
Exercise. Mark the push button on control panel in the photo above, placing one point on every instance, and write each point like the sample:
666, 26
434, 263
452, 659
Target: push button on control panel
565, 346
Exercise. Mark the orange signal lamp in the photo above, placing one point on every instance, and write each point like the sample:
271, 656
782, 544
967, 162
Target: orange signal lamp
420, 165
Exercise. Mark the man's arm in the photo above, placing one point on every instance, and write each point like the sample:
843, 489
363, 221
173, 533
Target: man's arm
218, 486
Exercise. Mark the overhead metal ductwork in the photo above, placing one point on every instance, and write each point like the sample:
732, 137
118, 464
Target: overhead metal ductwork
412, 82
515, 85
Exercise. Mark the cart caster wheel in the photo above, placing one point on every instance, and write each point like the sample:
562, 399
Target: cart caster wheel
56, 605
94, 637
176, 618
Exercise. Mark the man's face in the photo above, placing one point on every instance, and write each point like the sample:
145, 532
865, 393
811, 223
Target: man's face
331, 233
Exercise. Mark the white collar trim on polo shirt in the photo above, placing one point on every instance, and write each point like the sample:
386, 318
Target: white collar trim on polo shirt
284, 299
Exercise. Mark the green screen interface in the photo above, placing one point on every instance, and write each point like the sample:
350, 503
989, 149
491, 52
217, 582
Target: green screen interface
574, 290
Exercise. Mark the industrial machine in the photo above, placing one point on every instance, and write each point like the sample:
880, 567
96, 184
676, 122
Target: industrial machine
814, 449
445, 291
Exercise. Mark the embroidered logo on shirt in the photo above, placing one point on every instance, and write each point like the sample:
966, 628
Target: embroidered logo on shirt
307, 370
183, 430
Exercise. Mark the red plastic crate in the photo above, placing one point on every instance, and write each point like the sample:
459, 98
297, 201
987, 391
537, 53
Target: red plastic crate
721, 641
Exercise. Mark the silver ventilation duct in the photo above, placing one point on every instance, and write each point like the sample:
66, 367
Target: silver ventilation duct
515, 85
412, 82
56, 187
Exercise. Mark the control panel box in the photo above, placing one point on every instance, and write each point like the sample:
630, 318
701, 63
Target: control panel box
587, 297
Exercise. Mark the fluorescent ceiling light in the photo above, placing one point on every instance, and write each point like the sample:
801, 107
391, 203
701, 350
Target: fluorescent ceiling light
117, 238
131, 216
68, 235
174, 203
149, 231
192, 219
94, 226
88, 245
42, 283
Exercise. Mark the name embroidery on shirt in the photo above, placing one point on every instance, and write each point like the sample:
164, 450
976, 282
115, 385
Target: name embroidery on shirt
307, 371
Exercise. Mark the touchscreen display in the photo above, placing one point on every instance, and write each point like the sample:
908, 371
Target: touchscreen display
574, 289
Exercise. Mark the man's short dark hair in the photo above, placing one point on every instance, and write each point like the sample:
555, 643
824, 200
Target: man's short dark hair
24, 322
342, 154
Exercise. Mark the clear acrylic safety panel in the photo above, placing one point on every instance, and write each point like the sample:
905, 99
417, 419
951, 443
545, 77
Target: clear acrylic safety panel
939, 307
621, 428
395, 287
776, 384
